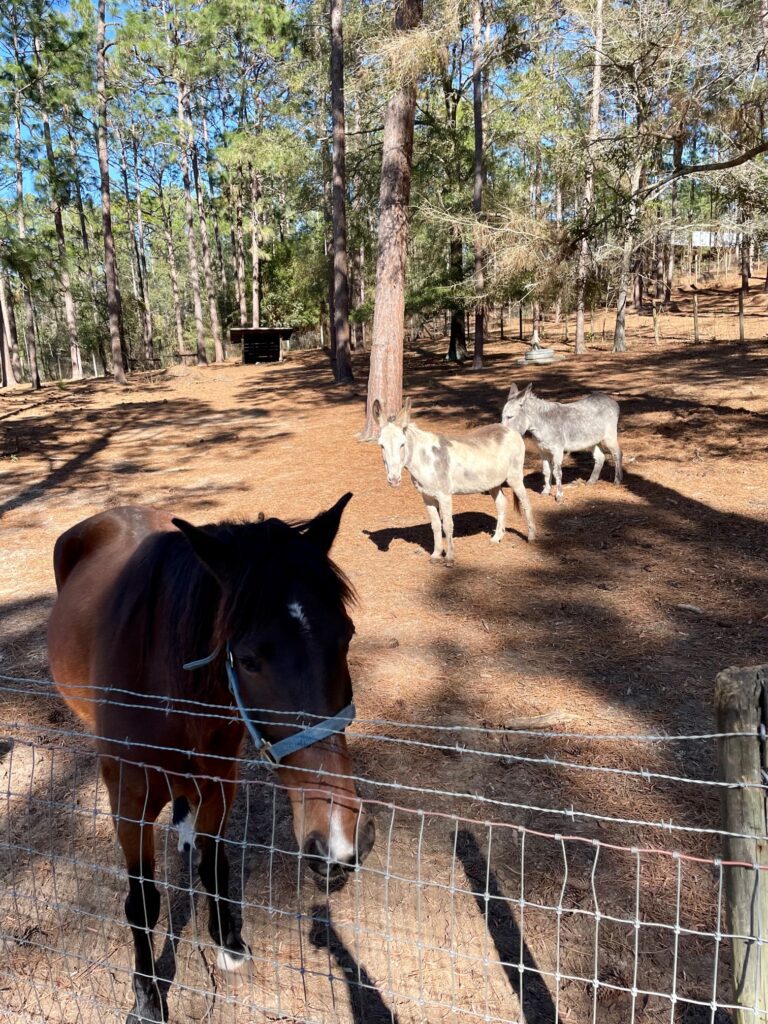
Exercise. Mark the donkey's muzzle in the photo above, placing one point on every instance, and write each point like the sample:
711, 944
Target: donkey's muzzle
325, 863
394, 481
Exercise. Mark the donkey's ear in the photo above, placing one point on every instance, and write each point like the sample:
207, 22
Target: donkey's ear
512, 391
528, 390
323, 528
209, 549
403, 418
378, 413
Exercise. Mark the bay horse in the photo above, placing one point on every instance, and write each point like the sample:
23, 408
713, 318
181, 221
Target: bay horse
162, 637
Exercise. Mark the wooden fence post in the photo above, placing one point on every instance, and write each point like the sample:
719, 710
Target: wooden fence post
695, 318
520, 314
741, 706
741, 316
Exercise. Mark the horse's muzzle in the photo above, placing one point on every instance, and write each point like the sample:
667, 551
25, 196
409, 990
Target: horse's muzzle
318, 855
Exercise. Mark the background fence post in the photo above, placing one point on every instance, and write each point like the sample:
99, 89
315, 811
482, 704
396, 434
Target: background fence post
741, 317
696, 319
741, 699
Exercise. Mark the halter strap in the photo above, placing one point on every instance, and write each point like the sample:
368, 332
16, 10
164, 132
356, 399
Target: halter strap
274, 753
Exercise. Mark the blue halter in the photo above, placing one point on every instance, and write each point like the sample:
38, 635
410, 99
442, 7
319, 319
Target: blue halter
274, 753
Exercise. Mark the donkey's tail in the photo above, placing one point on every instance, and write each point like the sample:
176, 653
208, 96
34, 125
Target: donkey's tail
523, 507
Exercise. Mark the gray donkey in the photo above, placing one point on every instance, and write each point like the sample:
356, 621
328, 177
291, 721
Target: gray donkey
473, 462
559, 428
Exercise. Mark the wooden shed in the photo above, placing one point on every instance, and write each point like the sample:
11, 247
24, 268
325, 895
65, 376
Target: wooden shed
260, 344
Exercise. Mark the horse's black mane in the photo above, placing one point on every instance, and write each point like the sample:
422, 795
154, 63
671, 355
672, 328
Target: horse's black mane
185, 613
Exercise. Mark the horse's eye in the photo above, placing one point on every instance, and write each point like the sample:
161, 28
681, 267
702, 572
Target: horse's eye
250, 663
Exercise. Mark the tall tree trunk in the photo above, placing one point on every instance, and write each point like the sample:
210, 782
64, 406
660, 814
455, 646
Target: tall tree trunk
6, 377
457, 343
70, 314
238, 252
535, 213
178, 309
209, 165
255, 256
559, 225
29, 315
477, 189
189, 218
385, 380
343, 367
149, 339
619, 333
87, 253
140, 286
213, 309
10, 337
359, 293
589, 180
745, 267
114, 303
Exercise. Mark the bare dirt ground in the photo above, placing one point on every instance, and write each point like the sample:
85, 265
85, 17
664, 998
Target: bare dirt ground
616, 621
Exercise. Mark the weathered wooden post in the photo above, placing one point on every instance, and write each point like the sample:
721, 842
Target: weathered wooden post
741, 705
656, 327
741, 316
695, 318
520, 312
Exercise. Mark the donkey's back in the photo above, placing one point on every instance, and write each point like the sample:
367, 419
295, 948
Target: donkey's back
577, 425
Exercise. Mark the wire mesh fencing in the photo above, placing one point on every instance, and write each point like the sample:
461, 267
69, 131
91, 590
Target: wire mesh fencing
517, 876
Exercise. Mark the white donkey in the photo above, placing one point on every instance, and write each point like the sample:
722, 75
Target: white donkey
562, 427
475, 462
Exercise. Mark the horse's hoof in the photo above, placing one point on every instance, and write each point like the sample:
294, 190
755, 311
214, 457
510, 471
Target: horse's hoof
151, 1011
233, 958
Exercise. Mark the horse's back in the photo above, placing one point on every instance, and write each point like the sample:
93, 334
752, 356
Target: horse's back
88, 559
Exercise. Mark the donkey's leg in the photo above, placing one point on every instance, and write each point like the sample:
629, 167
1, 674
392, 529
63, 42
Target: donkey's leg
557, 468
618, 471
500, 498
521, 496
446, 515
547, 471
135, 808
599, 458
437, 530
214, 874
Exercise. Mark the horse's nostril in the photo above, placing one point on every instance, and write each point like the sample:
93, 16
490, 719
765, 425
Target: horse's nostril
315, 848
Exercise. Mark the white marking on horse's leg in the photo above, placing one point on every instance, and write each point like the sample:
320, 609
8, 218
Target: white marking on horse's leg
187, 834
340, 849
297, 612
229, 961
500, 498
599, 461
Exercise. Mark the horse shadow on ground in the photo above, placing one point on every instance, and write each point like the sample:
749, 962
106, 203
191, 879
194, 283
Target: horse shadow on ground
515, 957
365, 1000
465, 524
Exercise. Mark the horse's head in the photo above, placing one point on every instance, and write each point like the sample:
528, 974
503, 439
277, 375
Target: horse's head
515, 412
392, 440
284, 615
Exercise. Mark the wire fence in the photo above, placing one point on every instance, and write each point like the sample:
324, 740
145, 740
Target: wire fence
517, 876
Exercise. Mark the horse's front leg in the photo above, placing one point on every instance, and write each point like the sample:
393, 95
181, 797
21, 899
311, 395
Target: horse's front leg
437, 531
214, 874
134, 821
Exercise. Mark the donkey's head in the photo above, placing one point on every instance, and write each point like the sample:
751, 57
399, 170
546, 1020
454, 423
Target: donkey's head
284, 616
516, 412
392, 431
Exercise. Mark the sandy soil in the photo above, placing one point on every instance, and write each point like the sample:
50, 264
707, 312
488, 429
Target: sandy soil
616, 621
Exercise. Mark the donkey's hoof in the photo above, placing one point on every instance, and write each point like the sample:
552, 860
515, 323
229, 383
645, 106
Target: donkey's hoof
531, 536
450, 562
233, 958
435, 559
559, 496
497, 540
546, 492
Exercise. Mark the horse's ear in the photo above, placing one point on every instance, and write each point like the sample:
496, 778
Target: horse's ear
323, 528
378, 413
208, 549
403, 418
512, 392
